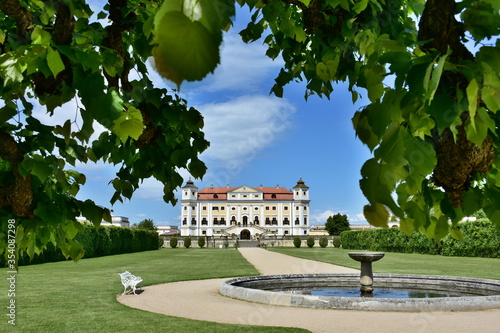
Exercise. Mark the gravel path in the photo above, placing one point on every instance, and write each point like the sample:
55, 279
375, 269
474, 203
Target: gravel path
201, 300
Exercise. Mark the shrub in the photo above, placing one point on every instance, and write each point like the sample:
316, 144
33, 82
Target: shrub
187, 242
297, 242
98, 241
323, 242
480, 239
336, 242
173, 242
310, 242
161, 241
201, 242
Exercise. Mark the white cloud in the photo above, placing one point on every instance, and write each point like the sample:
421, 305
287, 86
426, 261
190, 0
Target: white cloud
150, 189
321, 217
243, 66
239, 129
357, 219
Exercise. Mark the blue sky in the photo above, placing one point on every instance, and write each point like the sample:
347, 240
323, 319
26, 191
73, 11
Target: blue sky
256, 139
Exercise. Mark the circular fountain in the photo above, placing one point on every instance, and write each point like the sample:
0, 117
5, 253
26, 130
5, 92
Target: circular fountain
378, 292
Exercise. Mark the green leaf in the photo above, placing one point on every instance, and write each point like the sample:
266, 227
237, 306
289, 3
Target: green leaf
7, 112
377, 215
92, 212
130, 124
326, 71
436, 76
40, 36
197, 168
456, 233
477, 127
363, 129
443, 110
47, 213
41, 169
360, 6
472, 92
54, 61
374, 77
185, 49
442, 228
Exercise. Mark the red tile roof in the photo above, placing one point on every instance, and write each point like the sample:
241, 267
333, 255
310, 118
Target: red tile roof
270, 193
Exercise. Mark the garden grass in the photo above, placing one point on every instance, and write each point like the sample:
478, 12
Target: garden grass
402, 263
81, 297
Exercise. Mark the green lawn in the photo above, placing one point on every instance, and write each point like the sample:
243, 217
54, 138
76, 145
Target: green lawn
81, 297
406, 263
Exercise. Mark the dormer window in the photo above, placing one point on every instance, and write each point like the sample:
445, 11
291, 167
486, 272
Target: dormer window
273, 196
216, 196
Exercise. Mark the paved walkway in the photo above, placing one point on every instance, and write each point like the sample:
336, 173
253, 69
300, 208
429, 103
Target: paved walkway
201, 300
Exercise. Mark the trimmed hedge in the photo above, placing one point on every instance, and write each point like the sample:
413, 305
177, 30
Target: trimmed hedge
480, 240
98, 242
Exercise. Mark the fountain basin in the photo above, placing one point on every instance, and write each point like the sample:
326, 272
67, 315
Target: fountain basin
268, 289
366, 256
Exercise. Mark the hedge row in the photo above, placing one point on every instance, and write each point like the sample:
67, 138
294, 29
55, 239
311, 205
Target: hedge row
480, 240
98, 242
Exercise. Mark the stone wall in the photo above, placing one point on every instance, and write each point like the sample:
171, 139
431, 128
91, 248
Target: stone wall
270, 242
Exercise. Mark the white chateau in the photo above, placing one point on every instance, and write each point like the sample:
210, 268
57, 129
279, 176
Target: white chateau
245, 212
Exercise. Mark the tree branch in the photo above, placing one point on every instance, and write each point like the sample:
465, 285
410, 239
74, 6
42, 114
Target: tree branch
24, 18
18, 194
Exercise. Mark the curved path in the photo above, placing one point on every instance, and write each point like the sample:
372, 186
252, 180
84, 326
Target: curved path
201, 300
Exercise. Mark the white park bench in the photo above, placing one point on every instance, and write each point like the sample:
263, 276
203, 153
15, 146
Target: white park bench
129, 280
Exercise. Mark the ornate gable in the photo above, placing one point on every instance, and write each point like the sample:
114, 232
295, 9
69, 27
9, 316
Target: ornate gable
245, 189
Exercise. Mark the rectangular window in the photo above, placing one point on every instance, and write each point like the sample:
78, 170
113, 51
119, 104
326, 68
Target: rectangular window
215, 208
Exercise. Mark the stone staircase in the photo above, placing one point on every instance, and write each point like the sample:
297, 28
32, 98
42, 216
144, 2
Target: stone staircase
248, 243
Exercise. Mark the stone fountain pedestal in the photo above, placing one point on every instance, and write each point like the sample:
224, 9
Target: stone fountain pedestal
366, 276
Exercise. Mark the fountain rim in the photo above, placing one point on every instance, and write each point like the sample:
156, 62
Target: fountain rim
230, 288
